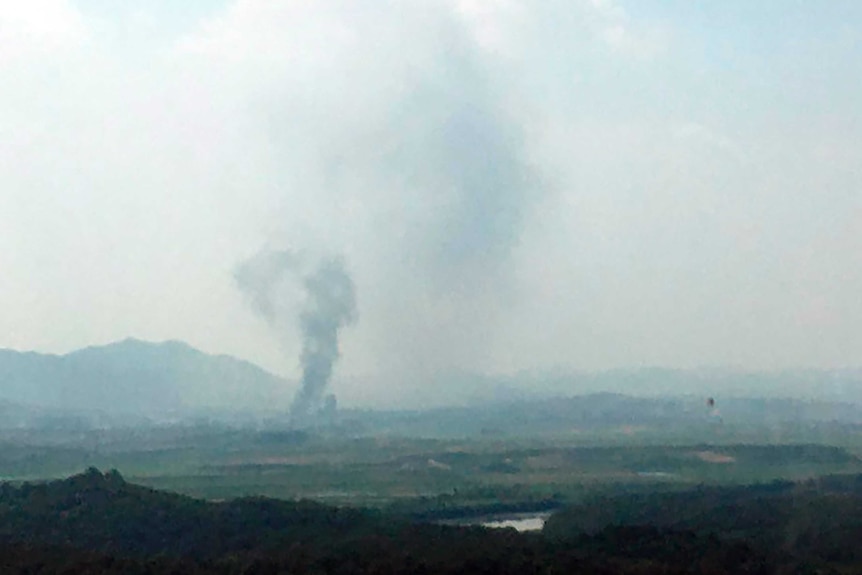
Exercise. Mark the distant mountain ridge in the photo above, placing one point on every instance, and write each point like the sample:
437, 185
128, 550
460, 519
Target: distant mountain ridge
621, 418
172, 380
137, 377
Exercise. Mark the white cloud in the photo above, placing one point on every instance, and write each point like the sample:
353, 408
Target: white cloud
712, 140
493, 22
620, 33
510, 27
290, 33
37, 28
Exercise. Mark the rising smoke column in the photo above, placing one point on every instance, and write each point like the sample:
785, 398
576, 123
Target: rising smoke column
429, 137
268, 279
331, 305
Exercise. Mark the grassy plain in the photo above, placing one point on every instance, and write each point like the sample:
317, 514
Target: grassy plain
366, 472
422, 475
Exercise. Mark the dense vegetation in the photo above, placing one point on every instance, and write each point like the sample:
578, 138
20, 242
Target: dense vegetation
814, 522
99, 523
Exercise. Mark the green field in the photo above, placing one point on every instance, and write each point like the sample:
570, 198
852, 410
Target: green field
414, 474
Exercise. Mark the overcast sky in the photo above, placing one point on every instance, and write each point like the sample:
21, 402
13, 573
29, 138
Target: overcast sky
513, 185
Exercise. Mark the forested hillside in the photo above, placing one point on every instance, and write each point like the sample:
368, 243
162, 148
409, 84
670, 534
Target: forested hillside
99, 523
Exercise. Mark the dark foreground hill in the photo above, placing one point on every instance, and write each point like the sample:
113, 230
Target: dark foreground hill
99, 523
815, 522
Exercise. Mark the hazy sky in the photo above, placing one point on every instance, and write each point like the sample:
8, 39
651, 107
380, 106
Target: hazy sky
513, 185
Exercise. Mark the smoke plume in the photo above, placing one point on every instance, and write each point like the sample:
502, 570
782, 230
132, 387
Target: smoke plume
414, 159
272, 281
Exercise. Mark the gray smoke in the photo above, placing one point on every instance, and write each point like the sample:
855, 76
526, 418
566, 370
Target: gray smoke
439, 152
260, 277
329, 304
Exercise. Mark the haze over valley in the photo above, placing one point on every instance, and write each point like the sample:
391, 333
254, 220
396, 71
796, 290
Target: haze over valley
171, 379
507, 190
368, 286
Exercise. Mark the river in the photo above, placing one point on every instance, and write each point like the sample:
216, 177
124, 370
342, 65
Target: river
520, 521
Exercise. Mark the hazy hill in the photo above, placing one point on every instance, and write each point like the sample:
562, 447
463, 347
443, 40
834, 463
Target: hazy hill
172, 380
133, 376
626, 418
831, 385
466, 389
